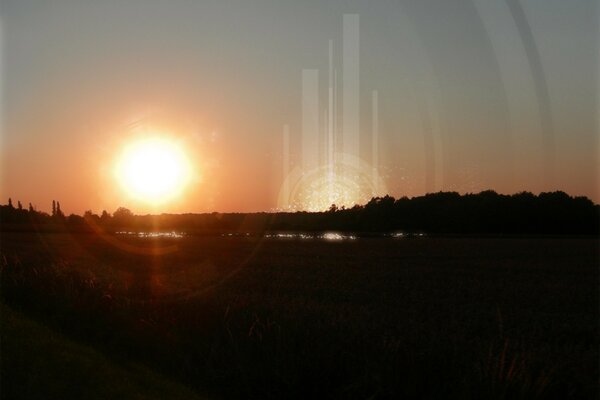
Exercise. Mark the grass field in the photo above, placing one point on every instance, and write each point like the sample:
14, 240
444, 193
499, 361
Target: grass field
39, 363
269, 318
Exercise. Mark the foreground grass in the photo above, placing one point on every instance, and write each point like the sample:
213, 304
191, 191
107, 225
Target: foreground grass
39, 363
432, 318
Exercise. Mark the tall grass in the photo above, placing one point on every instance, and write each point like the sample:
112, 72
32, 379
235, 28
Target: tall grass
417, 319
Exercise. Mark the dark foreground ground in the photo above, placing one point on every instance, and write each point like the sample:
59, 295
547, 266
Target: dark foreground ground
91, 317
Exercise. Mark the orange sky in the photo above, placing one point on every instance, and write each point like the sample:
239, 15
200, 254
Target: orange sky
82, 80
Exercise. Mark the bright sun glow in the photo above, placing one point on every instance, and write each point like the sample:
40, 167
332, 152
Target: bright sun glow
153, 170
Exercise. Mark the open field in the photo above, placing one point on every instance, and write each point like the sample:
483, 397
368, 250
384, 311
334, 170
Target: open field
254, 317
39, 363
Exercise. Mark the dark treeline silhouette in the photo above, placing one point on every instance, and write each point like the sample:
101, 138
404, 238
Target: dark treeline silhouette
438, 213
486, 213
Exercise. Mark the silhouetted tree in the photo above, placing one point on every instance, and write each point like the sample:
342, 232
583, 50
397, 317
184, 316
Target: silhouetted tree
31, 209
59, 212
123, 217
90, 214
122, 212
105, 217
10, 204
19, 205
53, 208
75, 221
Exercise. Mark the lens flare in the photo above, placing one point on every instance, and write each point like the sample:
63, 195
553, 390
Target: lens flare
341, 184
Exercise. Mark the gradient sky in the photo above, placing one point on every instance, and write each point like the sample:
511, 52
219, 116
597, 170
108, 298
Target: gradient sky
511, 99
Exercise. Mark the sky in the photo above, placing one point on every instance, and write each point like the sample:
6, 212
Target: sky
472, 95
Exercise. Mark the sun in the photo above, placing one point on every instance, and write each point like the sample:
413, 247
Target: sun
153, 170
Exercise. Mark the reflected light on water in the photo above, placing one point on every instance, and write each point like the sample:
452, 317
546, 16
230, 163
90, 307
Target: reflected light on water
399, 235
336, 236
171, 234
329, 236
289, 236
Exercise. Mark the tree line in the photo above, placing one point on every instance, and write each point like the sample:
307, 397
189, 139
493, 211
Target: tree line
486, 212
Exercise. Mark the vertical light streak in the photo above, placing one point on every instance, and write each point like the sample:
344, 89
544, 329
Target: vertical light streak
310, 119
351, 101
286, 161
336, 139
375, 140
330, 141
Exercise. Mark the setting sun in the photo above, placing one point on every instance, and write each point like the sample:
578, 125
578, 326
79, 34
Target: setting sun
153, 170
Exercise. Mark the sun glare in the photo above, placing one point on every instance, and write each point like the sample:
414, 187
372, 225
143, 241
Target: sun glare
153, 170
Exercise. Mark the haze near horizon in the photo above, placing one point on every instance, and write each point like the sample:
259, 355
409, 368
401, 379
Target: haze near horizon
199, 107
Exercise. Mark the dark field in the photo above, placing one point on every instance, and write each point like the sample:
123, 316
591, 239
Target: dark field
269, 318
